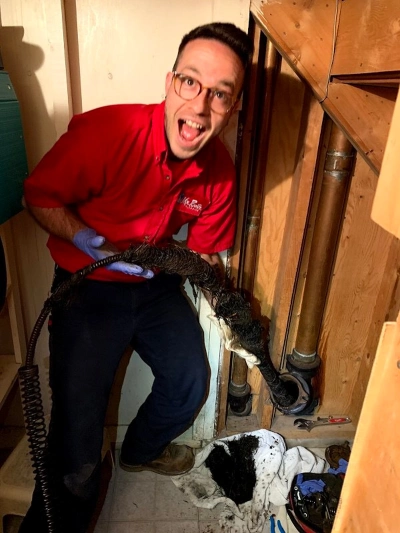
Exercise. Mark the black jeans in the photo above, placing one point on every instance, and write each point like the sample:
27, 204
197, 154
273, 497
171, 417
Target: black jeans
88, 337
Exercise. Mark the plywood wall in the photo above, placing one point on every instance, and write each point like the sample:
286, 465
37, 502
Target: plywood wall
33, 51
363, 290
281, 154
362, 295
385, 210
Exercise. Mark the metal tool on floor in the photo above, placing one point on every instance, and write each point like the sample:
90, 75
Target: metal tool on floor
304, 423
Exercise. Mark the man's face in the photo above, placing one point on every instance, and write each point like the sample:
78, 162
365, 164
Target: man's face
190, 125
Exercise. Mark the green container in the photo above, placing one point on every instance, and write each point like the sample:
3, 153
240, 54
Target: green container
13, 164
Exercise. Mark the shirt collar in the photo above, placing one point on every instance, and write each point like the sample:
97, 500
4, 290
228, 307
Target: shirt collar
193, 166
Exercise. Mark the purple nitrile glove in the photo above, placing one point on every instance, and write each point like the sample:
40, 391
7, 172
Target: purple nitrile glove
97, 247
342, 468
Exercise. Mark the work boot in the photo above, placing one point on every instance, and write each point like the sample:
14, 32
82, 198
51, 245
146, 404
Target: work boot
173, 461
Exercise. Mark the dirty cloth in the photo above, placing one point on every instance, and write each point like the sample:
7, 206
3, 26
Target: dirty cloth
275, 468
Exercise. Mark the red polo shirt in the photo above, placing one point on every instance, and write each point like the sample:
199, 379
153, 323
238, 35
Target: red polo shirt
111, 169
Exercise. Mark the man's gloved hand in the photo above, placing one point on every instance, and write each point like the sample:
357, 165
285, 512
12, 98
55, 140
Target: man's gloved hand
97, 247
231, 343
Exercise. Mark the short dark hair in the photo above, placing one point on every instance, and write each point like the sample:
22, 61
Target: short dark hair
224, 32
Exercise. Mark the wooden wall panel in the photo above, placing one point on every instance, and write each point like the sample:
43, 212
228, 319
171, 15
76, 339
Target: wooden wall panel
282, 160
371, 490
304, 33
127, 47
282, 154
368, 39
306, 209
365, 114
285, 311
385, 210
386, 308
364, 288
32, 47
361, 292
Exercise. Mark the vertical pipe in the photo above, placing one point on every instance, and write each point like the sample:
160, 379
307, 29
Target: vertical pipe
255, 203
336, 179
238, 387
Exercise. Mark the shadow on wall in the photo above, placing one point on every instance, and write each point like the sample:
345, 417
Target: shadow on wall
23, 61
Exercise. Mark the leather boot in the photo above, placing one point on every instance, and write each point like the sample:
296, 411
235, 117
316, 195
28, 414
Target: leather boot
173, 461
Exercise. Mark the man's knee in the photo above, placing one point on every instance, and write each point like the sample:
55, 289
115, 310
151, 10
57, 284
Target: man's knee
197, 383
84, 484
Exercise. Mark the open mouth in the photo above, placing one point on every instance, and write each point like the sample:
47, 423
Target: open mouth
190, 130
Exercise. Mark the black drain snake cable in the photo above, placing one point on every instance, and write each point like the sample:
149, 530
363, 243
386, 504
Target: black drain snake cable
289, 395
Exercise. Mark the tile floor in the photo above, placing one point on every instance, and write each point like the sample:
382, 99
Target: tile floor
145, 502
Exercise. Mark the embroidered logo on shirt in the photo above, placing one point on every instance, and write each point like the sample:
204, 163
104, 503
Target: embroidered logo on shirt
190, 203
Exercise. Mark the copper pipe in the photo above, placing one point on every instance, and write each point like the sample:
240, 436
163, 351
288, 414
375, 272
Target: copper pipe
250, 238
239, 371
336, 179
255, 202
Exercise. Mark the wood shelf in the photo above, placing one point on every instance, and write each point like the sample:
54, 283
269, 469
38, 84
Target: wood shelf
8, 375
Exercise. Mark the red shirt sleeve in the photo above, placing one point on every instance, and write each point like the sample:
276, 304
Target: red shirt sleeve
214, 230
70, 172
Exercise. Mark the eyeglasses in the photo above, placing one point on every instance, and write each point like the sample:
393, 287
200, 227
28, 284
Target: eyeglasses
189, 88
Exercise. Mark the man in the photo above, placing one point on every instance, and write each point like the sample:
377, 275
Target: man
128, 174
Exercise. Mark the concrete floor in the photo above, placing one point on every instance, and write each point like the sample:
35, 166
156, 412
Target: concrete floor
145, 502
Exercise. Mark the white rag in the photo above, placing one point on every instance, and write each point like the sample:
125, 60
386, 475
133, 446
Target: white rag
275, 469
231, 341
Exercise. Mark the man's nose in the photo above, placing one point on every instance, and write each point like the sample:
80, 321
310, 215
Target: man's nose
201, 104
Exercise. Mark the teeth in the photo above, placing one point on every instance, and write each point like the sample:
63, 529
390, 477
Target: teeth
193, 124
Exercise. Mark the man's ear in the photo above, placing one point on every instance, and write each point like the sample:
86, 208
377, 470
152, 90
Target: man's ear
237, 106
168, 81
